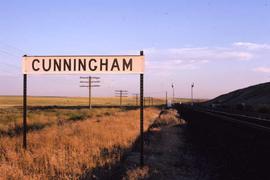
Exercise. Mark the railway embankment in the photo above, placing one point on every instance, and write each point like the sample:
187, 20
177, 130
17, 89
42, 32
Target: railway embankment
240, 144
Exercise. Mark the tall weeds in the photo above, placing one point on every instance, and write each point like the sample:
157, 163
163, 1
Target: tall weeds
65, 151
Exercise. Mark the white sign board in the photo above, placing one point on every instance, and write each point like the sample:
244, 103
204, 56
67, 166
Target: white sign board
83, 64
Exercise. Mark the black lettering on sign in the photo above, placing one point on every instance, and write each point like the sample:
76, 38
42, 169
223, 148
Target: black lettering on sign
103, 64
128, 65
33, 65
44, 64
115, 65
82, 64
57, 64
92, 68
74, 68
67, 64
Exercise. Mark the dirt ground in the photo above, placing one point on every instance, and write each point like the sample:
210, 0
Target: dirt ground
174, 150
169, 153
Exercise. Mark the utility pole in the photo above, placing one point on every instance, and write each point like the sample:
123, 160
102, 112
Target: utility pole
89, 83
121, 94
173, 93
144, 101
166, 102
192, 86
137, 98
149, 98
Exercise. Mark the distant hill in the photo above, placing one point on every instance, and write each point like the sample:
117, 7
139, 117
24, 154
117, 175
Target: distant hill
255, 96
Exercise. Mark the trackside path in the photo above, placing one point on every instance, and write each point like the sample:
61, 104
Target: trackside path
169, 154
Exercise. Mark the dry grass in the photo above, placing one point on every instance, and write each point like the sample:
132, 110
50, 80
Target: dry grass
67, 151
166, 117
11, 111
161, 151
11, 118
6, 101
137, 173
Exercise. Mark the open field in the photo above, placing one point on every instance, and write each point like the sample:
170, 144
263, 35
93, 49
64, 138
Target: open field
67, 143
70, 101
6, 101
38, 118
70, 150
11, 118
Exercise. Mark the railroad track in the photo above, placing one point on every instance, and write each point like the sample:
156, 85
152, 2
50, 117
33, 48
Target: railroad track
254, 122
245, 113
250, 121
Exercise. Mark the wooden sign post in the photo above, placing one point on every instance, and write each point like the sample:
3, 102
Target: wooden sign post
114, 64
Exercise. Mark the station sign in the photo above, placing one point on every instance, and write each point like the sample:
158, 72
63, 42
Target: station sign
131, 64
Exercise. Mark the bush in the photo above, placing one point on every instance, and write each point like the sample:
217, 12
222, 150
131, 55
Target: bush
77, 117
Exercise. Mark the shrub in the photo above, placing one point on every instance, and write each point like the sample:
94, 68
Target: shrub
77, 117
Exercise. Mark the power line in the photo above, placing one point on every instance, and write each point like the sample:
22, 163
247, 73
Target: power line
155, 92
137, 98
121, 94
14, 47
88, 82
8, 53
11, 54
150, 101
10, 65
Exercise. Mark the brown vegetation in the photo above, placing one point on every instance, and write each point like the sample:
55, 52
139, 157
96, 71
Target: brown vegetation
11, 118
8, 101
66, 151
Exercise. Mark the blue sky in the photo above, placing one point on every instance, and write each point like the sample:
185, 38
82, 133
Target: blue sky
219, 45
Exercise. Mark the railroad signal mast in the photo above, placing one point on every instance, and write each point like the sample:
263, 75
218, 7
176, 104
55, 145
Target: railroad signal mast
121, 94
173, 93
166, 101
192, 86
90, 82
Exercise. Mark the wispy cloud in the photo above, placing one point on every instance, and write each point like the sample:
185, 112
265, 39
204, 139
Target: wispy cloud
262, 69
210, 54
252, 46
192, 58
